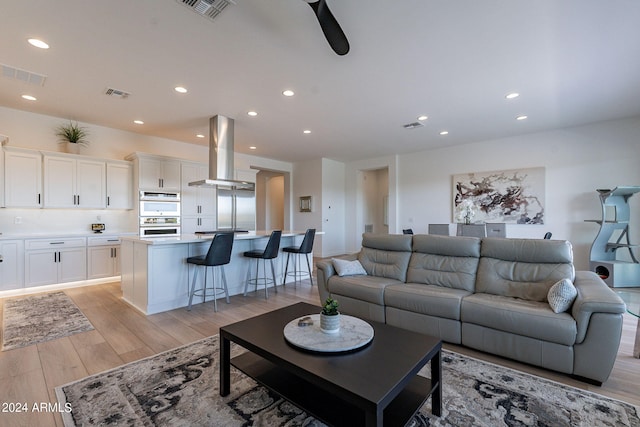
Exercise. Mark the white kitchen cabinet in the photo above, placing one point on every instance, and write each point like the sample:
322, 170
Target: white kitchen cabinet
103, 257
197, 203
49, 261
74, 182
11, 264
23, 178
159, 174
119, 185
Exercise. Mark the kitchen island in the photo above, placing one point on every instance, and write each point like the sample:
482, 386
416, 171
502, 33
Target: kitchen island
157, 278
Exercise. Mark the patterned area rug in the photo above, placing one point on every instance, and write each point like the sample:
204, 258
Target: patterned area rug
39, 318
180, 388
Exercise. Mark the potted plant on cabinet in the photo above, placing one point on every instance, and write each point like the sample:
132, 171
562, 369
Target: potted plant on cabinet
330, 317
73, 136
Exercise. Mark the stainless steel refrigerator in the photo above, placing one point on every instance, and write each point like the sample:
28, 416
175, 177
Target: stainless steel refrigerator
236, 209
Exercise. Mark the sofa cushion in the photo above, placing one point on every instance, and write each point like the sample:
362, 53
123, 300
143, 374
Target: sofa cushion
387, 242
445, 261
346, 267
561, 296
425, 299
521, 317
365, 288
523, 268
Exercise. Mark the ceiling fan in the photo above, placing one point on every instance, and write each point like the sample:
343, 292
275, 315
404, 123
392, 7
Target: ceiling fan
330, 27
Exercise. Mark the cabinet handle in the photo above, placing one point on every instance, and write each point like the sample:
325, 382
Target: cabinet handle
78, 200
56, 243
38, 198
108, 201
59, 256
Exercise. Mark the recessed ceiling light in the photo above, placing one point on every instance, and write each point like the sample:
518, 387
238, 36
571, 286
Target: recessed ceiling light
199, 135
29, 97
38, 43
523, 117
422, 118
252, 148
306, 131
180, 89
512, 95
444, 132
252, 113
288, 92
138, 122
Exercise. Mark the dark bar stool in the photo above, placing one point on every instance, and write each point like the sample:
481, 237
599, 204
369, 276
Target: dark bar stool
269, 253
218, 255
306, 247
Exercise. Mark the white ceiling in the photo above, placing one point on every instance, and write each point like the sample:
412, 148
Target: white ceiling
572, 61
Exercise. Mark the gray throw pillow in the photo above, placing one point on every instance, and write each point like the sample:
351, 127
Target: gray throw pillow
561, 296
348, 268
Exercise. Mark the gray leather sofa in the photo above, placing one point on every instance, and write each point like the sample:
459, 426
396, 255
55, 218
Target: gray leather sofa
488, 294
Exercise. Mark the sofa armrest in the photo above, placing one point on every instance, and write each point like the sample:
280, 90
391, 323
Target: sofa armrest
324, 272
594, 296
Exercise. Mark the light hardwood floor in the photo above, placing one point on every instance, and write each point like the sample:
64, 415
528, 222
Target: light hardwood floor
122, 334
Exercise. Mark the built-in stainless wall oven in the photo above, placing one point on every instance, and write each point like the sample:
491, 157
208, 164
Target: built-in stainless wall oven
159, 214
159, 226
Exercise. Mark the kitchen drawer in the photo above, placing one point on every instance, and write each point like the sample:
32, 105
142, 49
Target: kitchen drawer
103, 241
38, 244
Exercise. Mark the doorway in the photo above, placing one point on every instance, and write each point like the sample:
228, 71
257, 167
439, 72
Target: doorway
375, 200
272, 200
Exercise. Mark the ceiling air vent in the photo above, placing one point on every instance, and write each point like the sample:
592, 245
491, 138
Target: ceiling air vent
413, 125
117, 93
208, 8
23, 75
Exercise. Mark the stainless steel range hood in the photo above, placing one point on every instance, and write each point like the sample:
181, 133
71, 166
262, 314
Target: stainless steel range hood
221, 156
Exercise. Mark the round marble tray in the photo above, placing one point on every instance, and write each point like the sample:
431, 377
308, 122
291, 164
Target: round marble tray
354, 333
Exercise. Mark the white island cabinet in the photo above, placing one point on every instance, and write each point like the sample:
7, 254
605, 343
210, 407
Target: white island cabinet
156, 276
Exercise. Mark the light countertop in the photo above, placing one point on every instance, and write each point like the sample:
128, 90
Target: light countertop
195, 238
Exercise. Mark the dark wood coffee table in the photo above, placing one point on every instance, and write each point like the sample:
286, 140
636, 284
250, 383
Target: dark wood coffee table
374, 386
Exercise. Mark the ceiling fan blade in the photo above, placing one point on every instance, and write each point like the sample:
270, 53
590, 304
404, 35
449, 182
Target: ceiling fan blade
330, 27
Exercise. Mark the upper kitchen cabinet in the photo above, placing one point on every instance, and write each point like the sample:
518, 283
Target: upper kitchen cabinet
74, 182
119, 185
197, 203
23, 178
157, 173
196, 200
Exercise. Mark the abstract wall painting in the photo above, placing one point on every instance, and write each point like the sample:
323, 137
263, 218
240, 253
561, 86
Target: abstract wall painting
512, 196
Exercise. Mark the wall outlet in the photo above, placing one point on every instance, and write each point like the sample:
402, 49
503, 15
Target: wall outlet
17, 220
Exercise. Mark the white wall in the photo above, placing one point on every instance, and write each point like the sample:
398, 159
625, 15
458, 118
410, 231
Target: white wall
334, 211
577, 160
323, 180
308, 182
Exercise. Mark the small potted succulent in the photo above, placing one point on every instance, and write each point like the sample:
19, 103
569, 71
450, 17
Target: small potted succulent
73, 136
330, 317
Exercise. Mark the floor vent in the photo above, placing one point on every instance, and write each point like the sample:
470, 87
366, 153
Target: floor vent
116, 93
413, 125
23, 75
209, 8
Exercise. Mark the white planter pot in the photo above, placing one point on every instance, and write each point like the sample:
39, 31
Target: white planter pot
330, 324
